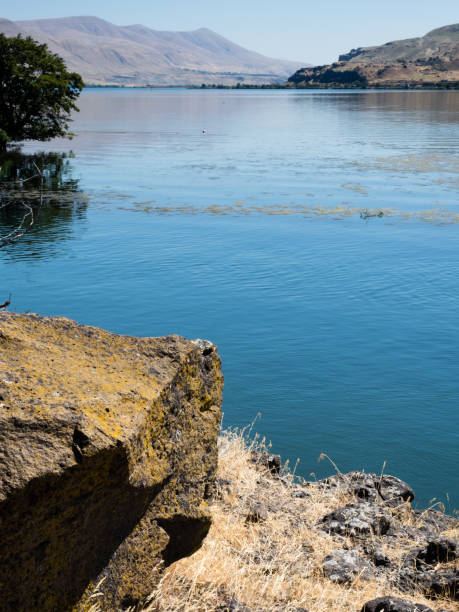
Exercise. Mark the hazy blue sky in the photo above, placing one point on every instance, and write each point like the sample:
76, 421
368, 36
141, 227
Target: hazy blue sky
301, 30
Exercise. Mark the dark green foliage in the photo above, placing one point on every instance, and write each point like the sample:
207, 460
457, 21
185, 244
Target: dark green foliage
37, 93
330, 77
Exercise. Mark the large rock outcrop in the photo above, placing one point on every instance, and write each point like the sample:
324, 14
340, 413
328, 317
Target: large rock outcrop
108, 448
428, 61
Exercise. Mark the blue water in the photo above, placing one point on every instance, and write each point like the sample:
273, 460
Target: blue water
342, 332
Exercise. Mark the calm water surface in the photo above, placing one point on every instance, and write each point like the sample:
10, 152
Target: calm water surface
234, 216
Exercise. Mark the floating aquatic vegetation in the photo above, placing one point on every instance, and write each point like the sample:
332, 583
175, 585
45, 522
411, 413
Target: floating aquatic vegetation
357, 188
412, 163
438, 215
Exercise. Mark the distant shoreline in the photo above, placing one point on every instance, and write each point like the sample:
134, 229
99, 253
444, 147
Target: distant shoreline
407, 87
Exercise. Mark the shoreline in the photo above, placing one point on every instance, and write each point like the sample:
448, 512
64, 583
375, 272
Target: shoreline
278, 87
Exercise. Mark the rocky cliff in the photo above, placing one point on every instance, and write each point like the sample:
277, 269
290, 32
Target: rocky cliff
430, 60
108, 448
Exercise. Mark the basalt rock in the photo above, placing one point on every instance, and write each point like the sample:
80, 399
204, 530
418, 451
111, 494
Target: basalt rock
269, 460
421, 568
434, 583
344, 566
358, 520
376, 555
385, 489
430, 522
437, 550
108, 449
393, 604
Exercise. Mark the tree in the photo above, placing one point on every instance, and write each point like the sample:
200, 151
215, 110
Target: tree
37, 93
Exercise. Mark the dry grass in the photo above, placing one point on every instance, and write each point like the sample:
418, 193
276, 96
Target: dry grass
275, 564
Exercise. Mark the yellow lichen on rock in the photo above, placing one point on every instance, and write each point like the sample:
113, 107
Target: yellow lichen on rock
107, 453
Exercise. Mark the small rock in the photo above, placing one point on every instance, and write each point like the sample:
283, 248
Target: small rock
358, 519
439, 583
300, 493
365, 492
412, 559
257, 514
393, 604
345, 565
233, 606
272, 462
377, 556
393, 490
439, 550
433, 522
433, 583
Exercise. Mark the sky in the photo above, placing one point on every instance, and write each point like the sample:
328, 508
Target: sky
307, 31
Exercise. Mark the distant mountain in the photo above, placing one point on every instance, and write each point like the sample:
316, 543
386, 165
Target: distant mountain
104, 53
432, 59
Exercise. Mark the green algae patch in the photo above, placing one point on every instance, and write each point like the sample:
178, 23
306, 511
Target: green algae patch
108, 448
437, 216
356, 188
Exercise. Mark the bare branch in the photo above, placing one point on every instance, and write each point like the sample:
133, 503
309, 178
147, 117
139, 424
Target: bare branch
29, 218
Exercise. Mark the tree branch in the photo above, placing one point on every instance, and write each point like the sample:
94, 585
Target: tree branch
29, 218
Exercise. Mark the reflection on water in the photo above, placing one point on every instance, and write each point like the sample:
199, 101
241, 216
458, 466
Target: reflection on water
62, 202
420, 104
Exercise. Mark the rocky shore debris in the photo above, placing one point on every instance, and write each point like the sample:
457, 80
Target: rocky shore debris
385, 489
421, 567
108, 452
280, 543
370, 532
